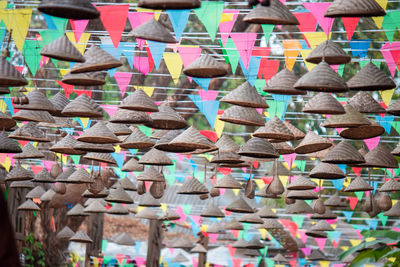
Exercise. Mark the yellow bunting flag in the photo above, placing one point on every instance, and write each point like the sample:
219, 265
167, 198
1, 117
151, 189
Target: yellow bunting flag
324, 263
163, 207
315, 38
82, 43
263, 233
174, 65
355, 242
18, 21
291, 49
3, 106
85, 122
139, 208
7, 163
283, 179
236, 191
304, 54
63, 72
226, 17
147, 89
219, 127
259, 182
157, 13
386, 96
379, 20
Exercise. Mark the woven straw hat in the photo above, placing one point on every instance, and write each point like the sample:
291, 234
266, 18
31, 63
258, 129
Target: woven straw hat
183, 243
233, 224
164, 143
330, 52
66, 146
380, 157
77, 210
344, 153
126, 184
279, 258
354, 8
216, 228
124, 239
191, 139
158, 133
98, 134
9, 75
363, 102
169, 4
296, 132
228, 182
22, 184
328, 215
205, 67
240, 243
137, 140
212, 211
119, 129
147, 213
394, 108
192, 187
316, 233
96, 78
36, 192
226, 144
301, 183
139, 101
118, 195
65, 233
227, 158
245, 95
266, 192
6, 122
167, 118
148, 200
81, 237
4, 90
155, 157
251, 218
18, 173
28, 205
258, 148
352, 118
37, 101
29, 152
34, 115
363, 132
282, 83
151, 174
69, 9
126, 116
266, 213
323, 103
43, 177
283, 148
322, 78
243, 116
274, 129
370, 78
394, 211
63, 177
276, 13
312, 143
154, 31
59, 101
389, 186
118, 209
62, 49
327, 171
132, 165
101, 157
90, 200
335, 201
170, 215
302, 194
239, 206
83, 106
95, 207
96, 59
255, 243
358, 184
98, 194
79, 176
316, 255
198, 249
271, 224
321, 226
299, 207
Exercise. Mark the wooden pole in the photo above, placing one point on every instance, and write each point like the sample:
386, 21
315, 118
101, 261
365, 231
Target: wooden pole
203, 240
95, 232
154, 244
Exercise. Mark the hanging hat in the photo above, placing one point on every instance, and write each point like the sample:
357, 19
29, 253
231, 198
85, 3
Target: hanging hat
157, 134
192, 187
169, 4
322, 78
380, 157
137, 140
66, 146
251, 218
299, 207
198, 249
323, 103
119, 129
321, 226
147, 213
227, 158
316, 233
81, 237
243, 116
98, 194
9, 75
124, 239
126, 116
96, 59
283, 148
330, 52
239, 206
302, 194
316, 255
79, 176
255, 244
83, 106
370, 78
37, 101
164, 143
394, 211
126, 184
328, 215
258, 148
240, 244
154, 31
301, 183
216, 228
43, 177
118, 209
36, 192
18, 173
344, 153
226, 144
282, 84
151, 174
166, 118
212, 211
59, 101
6, 122
363, 132
22, 184
354, 8
335, 201
327, 171
363, 102
389, 186
296, 132
100, 157
132, 165
206, 67
28, 205
276, 13
351, 118
394, 108
58, 122
312, 143
183, 243
77, 210
279, 258
63, 177
274, 129
190, 139
98, 134
65, 233
233, 224
95, 207
155, 157
271, 224
118, 195
62, 49
4, 90
148, 200
29, 152
96, 78
170, 215
69, 9
139, 101
90, 200
228, 182
34, 115
245, 95
266, 213
358, 184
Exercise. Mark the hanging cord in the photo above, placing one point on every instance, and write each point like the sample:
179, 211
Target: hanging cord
6, 51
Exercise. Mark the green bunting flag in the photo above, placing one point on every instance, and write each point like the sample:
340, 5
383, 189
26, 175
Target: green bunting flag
210, 15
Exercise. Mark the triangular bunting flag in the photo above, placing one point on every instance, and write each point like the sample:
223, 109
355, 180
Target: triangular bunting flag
114, 20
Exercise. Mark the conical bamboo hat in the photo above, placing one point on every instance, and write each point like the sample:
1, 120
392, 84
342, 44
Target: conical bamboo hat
90, 200
96, 59
239, 206
321, 226
380, 157
394, 211
118, 195
182, 243
167, 118
279, 258
66, 146
63, 177
283, 148
169, 4
274, 129
29, 152
302, 194
328, 215
323, 103
327, 171
28, 205
126, 116
118, 209
6, 122
240, 243
62, 49
394, 108
65, 233
255, 244
77, 210
132, 165
316, 233
44, 177
69, 9
119, 129
251, 218
22, 184
81, 237
258, 148
301, 183
271, 224
228, 182
95, 78
335, 201
312, 143
18, 173
354, 8
352, 118
343, 153
37, 101
126, 184
95, 207
191, 139
147, 213
125, 240
216, 228
9, 75
243, 116
227, 158
139, 101
233, 224
276, 13
148, 200
282, 83
137, 140
151, 174
192, 187
245, 95
170, 215
316, 255
296, 132
59, 101
33, 115
226, 144
98, 134
154, 31
390, 186
198, 249
212, 211
155, 157
80, 176
206, 67
363, 102
101, 157
266, 213
83, 106
358, 184
322, 78
164, 143
36, 192
363, 132
299, 207
330, 52
370, 78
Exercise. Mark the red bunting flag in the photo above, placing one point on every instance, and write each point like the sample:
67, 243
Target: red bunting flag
114, 20
350, 25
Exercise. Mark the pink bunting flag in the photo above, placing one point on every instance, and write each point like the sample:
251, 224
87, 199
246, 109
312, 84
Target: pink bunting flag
47, 164
123, 79
110, 109
225, 28
303, 236
307, 21
79, 27
372, 142
237, 262
321, 243
318, 10
208, 95
36, 168
350, 25
386, 51
141, 64
196, 219
289, 159
140, 261
213, 237
188, 55
244, 43
138, 18
195, 262
114, 20
306, 251
181, 213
